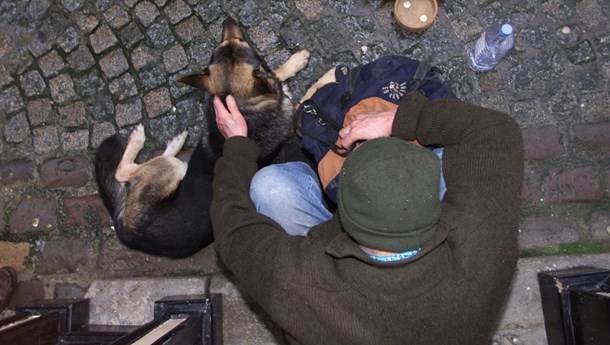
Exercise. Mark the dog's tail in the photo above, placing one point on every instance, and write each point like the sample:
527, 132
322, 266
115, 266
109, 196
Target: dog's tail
114, 194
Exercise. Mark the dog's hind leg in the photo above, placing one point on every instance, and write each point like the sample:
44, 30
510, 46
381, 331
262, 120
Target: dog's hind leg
175, 145
127, 167
327, 78
297, 62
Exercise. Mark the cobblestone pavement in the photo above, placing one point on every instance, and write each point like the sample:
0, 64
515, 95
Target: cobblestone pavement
73, 72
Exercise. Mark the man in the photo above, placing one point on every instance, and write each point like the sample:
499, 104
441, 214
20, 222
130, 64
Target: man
394, 265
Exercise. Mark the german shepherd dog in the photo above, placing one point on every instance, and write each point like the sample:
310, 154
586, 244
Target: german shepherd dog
161, 207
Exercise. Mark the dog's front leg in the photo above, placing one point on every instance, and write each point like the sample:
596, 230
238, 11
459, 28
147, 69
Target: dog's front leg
127, 167
296, 63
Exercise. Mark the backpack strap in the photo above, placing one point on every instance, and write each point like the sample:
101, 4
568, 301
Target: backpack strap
309, 106
352, 76
420, 74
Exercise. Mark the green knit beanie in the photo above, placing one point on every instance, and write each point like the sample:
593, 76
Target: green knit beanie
389, 195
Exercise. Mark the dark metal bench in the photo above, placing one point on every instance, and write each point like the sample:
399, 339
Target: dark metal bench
178, 320
576, 306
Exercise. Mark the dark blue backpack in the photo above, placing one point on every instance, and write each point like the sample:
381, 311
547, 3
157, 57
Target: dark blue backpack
378, 85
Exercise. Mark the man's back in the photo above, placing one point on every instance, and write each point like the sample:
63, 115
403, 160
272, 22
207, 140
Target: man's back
323, 289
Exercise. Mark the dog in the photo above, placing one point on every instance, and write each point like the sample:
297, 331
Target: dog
161, 207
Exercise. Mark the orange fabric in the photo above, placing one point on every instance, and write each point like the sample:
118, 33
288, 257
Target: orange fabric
330, 165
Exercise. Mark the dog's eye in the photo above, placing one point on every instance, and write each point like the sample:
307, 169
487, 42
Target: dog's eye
206, 71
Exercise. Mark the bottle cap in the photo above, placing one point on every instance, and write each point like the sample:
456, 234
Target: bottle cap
506, 29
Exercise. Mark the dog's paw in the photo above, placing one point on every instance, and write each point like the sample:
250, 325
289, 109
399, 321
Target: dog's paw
175, 145
300, 59
137, 137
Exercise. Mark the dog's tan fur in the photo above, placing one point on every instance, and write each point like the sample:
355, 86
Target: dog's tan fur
327, 78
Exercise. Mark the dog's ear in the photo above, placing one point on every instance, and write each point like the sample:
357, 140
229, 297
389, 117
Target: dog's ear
199, 81
266, 82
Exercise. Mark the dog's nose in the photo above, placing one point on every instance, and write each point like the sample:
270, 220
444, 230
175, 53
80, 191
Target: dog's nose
230, 30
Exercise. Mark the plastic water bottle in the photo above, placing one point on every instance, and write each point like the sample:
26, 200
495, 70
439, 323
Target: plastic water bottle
491, 47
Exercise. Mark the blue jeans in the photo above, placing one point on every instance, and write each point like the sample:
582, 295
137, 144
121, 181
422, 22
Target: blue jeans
291, 194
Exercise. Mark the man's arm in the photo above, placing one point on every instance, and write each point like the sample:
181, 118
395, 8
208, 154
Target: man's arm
246, 240
483, 150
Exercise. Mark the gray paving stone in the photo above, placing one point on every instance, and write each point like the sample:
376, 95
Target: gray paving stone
116, 16
74, 141
129, 113
37, 9
41, 43
81, 59
157, 102
130, 35
46, 139
114, 63
146, 12
86, 22
69, 39
72, 5
177, 10
190, 29
100, 132
72, 115
175, 59
153, 77
123, 87
62, 88
11, 100
160, 34
89, 84
51, 63
32, 83
5, 77
40, 111
100, 107
17, 129
142, 56
102, 39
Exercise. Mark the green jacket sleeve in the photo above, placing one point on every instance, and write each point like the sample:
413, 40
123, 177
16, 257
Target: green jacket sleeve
483, 152
246, 240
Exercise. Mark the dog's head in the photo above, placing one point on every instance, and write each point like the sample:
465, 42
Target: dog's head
236, 69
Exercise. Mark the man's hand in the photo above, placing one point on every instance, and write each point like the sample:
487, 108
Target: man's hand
230, 121
368, 126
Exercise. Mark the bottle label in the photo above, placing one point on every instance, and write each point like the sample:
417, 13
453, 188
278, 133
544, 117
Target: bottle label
479, 46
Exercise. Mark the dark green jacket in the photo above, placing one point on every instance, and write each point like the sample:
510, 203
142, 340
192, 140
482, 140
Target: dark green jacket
323, 289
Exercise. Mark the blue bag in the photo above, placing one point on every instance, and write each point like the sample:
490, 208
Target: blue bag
378, 85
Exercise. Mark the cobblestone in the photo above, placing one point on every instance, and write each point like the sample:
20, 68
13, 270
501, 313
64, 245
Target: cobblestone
40, 111
579, 184
32, 83
51, 63
62, 88
72, 115
544, 231
34, 214
81, 59
123, 87
46, 139
129, 113
157, 102
114, 64
65, 172
21, 170
62, 256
